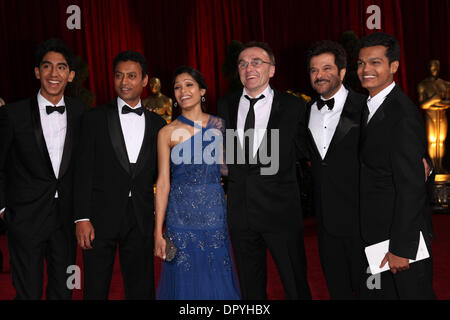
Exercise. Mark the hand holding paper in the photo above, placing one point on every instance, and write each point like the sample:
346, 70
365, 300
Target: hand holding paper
395, 263
380, 252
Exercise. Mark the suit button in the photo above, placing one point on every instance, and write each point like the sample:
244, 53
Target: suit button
324, 164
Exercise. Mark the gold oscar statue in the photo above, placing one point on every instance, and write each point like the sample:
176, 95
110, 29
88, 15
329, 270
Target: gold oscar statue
157, 102
434, 96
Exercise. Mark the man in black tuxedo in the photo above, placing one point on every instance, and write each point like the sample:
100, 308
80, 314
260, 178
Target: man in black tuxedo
115, 174
264, 209
393, 198
333, 135
38, 139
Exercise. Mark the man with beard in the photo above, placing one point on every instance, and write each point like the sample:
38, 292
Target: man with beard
333, 131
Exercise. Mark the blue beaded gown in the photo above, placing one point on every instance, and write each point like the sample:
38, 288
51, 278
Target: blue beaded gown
203, 268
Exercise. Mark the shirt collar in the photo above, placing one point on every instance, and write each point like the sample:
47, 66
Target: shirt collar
378, 99
121, 103
43, 103
267, 92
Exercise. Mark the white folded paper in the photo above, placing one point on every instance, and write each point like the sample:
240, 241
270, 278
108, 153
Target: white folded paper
376, 253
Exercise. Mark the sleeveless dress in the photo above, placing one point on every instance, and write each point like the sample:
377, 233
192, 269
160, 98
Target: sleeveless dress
203, 268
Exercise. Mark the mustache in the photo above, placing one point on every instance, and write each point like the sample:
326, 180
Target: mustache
321, 80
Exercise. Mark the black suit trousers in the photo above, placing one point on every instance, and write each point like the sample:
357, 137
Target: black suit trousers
136, 262
53, 244
343, 264
287, 250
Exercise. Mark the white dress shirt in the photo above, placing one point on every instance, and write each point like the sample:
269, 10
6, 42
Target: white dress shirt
262, 109
54, 128
373, 103
133, 129
323, 123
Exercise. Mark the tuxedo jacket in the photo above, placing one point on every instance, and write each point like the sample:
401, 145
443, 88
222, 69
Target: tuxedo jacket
27, 181
267, 202
104, 177
336, 177
392, 181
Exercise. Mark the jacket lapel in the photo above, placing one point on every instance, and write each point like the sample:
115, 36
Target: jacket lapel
274, 121
116, 135
233, 108
146, 147
275, 112
312, 142
68, 142
39, 134
350, 118
379, 114
232, 115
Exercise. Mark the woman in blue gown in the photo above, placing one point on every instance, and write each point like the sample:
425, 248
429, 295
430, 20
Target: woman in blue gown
191, 202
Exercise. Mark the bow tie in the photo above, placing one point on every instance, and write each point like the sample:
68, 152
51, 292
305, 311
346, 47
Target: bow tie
329, 103
126, 109
51, 109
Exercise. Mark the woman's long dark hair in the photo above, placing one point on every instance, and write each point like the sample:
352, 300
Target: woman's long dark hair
195, 74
